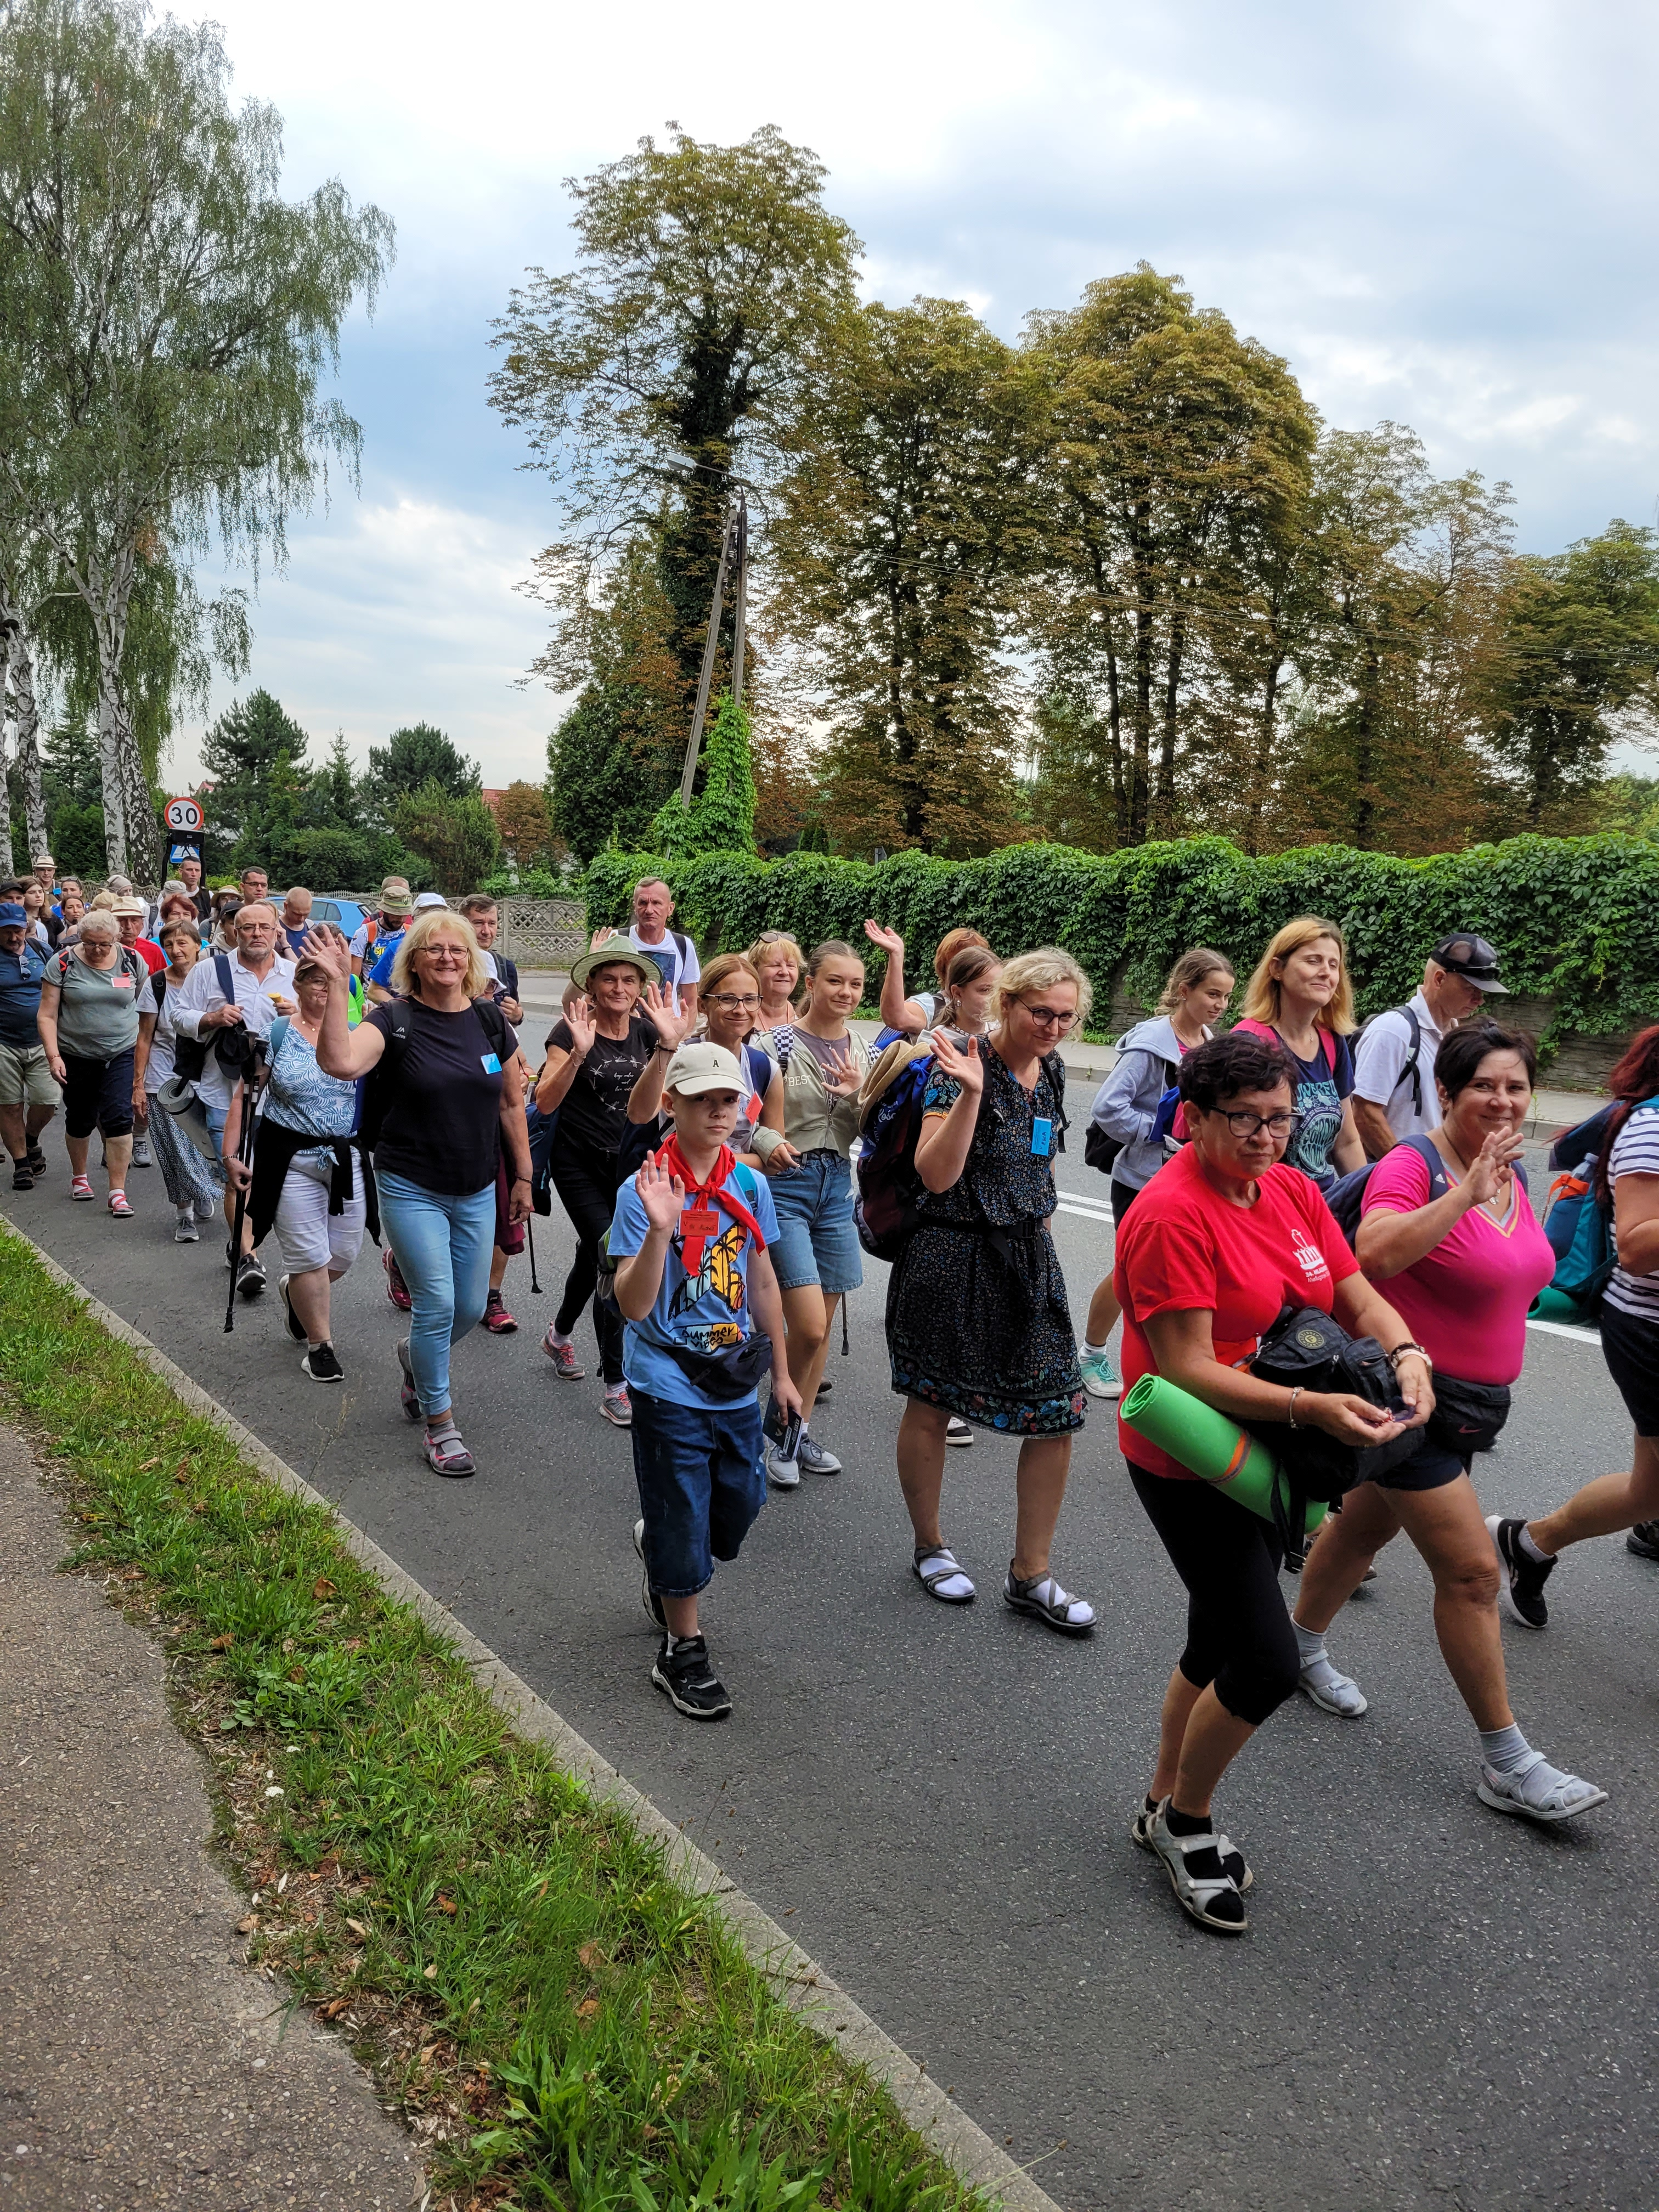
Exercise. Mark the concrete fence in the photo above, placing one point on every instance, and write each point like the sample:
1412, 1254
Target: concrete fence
543, 932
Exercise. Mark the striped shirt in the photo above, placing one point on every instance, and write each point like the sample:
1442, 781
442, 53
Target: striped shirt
1635, 1151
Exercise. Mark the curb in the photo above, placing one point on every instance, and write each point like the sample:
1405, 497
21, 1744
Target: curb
797, 1980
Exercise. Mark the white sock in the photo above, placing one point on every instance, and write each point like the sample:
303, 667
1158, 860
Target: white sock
1531, 1549
1504, 1748
1092, 1351
1309, 1642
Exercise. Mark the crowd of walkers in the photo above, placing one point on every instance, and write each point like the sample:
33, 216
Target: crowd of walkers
728, 1149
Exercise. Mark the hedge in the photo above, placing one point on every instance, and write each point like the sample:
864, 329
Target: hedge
1575, 919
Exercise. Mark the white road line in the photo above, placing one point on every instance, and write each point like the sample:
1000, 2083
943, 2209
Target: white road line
1087, 1212
1565, 1328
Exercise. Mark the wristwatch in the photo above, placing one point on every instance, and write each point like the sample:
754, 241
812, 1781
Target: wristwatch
1401, 1351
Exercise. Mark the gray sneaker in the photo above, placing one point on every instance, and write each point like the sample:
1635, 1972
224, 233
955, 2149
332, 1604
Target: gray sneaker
141, 1151
811, 1455
782, 1473
185, 1230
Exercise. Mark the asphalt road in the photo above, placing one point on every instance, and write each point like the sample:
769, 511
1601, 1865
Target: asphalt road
1436, 2006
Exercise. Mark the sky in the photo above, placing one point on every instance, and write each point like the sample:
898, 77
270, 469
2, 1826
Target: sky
1440, 214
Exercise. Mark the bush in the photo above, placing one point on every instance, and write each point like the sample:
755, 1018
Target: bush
1575, 918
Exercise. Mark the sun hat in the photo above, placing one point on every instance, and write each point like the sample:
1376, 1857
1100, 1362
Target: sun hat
698, 1067
130, 905
397, 900
615, 951
1470, 956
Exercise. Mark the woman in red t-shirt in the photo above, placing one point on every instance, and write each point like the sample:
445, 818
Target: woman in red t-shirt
1222, 1239
1464, 1265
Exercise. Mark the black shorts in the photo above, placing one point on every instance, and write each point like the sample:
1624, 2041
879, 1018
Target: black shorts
1124, 1195
98, 1095
1631, 1348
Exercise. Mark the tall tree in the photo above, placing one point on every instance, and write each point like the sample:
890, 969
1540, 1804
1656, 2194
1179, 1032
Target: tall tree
254, 755
458, 837
417, 756
906, 526
710, 286
168, 313
1173, 441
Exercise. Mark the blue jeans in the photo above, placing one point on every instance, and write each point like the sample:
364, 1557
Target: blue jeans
817, 1242
442, 1245
701, 1487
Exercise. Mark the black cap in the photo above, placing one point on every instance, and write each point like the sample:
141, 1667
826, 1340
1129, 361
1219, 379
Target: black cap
1471, 958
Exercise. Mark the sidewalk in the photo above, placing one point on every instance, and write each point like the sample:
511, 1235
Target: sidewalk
140, 2063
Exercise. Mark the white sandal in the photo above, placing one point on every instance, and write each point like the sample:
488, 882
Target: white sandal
1231, 1858
1337, 1692
1197, 1894
1507, 1793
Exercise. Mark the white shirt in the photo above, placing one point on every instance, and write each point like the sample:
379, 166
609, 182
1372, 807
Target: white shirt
201, 994
676, 967
1380, 1062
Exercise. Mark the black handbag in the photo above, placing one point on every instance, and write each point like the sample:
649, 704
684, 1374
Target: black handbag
1307, 1350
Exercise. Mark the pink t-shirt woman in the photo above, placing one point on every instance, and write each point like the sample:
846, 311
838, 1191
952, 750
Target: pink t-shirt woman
1466, 1301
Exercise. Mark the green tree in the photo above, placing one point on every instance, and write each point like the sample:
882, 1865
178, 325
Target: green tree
412, 758
907, 526
255, 755
457, 837
1578, 660
710, 286
169, 315
721, 815
1630, 804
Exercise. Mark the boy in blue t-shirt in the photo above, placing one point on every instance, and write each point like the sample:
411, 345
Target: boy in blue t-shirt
689, 1234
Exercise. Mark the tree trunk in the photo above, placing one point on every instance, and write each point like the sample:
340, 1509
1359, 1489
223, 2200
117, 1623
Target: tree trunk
131, 838
1166, 765
19, 676
1261, 767
6, 726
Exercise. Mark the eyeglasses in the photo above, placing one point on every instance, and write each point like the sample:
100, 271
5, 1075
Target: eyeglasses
730, 1000
1246, 1125
1049, 1017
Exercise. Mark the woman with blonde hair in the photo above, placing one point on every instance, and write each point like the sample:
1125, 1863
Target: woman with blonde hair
777, 961
1301, 994
978, 1327
451, 1084
1127, 1111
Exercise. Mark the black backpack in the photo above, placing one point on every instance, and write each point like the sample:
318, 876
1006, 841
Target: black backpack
377, 1085
1410, 1066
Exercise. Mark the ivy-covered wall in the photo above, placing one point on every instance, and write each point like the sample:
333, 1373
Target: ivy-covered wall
1575, 918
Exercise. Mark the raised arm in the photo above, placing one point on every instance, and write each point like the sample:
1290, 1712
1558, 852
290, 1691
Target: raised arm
896, 1011
341, 1051
561, 1067
942, 1145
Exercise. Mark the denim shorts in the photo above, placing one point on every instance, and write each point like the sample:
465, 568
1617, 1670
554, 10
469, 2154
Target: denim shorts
817, 1242
701, 1487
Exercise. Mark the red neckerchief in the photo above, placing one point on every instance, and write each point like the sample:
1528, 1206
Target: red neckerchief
702, 1197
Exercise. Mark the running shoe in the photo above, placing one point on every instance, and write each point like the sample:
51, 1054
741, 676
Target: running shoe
185, 1230
685, 1676
80, 1186
22, 1179
497, 1318
408, 1397
615, 1408
251, 1276
322, 1364
1100, 1376
811, 1455
782, 1473
958, 1432
141, 1152
1526, 1576
396, 1289
1644, 1539
296, 1327
565, 1365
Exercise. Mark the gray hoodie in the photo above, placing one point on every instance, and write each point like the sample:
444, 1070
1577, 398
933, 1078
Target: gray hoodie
1126, 1105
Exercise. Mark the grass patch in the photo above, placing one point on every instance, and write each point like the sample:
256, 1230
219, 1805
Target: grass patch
562, 2024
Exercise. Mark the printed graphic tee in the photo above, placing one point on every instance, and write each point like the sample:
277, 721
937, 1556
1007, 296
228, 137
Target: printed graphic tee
1321, 1085
708, 1312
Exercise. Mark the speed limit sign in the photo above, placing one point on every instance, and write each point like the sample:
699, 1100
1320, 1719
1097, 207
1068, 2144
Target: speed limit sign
184, 814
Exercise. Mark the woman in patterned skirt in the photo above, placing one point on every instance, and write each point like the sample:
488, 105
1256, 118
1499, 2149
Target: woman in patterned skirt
978, 1327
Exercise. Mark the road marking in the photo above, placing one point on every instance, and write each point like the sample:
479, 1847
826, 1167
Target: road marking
1088, 1212
1565, 1328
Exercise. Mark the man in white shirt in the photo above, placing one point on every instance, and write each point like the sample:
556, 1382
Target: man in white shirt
1394, 1093
672, 952
262, 988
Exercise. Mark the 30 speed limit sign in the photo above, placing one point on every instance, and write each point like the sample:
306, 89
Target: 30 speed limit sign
184, 814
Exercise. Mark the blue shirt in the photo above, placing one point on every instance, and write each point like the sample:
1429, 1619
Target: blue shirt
19, 996
707, 1314
385, 951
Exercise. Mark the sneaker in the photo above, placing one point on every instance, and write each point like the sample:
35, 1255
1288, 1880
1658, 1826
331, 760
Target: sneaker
408, 1397
1644, 1539
251, 1275
565, 1365
811, 1455
685, 1676
615, 1408
141, 1152
396, 1289
497, 1318
296, 1327
825, 1388
782, 1473
1526, 1576
185, 1230
1100, 1376
21, 1177
958, 1432
322, 1365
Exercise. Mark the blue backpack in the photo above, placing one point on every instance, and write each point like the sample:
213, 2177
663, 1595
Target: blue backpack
1589, 1256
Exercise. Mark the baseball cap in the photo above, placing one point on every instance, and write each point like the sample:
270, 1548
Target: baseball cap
696, 1067
397, 900
13, 916
427, 900
1470, 956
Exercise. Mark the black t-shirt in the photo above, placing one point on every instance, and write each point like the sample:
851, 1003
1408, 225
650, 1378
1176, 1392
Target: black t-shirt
442, 1124
595, 1108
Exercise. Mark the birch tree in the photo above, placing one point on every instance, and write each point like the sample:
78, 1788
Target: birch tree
165, 319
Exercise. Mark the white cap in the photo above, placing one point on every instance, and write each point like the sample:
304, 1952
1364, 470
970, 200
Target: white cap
696, 1067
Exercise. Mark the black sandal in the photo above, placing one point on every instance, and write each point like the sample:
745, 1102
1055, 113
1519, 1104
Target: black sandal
943, 1566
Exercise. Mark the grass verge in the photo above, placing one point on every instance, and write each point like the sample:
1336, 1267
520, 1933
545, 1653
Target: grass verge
562, 2023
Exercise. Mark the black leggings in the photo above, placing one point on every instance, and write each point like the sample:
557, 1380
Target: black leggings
1238, 1632
586, 1181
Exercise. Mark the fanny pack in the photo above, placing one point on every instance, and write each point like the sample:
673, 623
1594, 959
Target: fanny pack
725, 1375
1467, 1417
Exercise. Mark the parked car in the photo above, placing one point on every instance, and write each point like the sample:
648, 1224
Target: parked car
346, 913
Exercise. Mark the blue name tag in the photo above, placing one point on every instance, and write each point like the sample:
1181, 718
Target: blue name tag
491, 1065
1042, 1136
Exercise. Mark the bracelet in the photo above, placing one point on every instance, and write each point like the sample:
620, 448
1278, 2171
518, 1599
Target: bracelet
1290, 1411
1405, 1351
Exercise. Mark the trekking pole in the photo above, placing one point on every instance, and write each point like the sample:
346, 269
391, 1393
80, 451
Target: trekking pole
250, 1087
530, 1239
